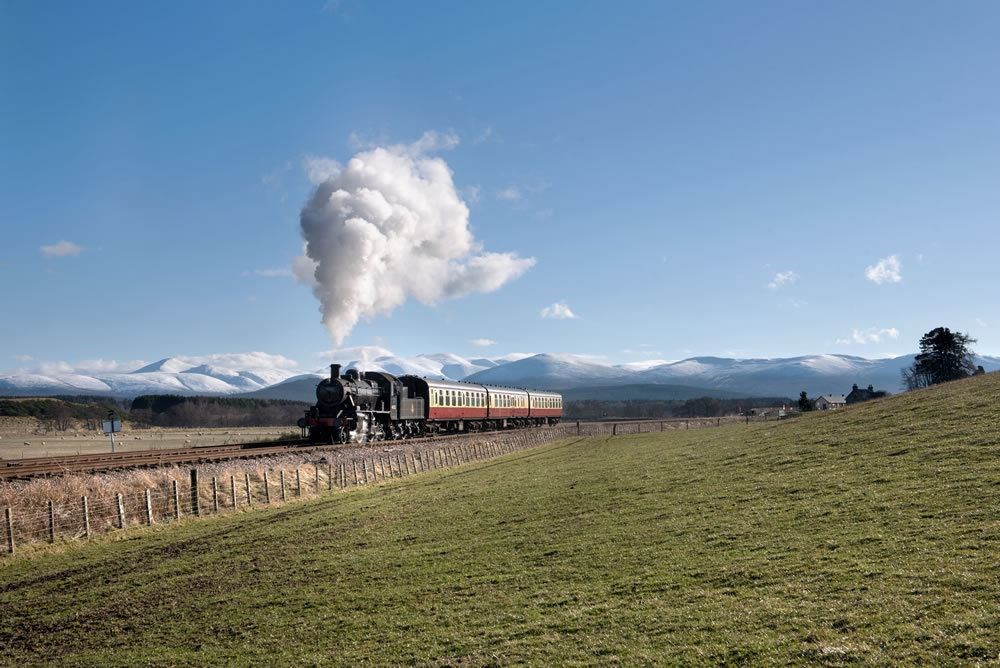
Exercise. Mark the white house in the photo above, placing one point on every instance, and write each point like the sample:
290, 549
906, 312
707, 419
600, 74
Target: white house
829, 402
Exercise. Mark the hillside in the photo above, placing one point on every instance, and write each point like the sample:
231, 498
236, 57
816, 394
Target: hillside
865, 535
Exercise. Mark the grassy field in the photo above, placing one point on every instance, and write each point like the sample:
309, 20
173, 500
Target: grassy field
871, 535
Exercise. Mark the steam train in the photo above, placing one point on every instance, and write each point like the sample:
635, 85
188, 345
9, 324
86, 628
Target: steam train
373, 406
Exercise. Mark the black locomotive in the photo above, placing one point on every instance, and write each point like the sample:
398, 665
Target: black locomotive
374, 406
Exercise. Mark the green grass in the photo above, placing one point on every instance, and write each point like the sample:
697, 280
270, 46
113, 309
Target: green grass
870, 535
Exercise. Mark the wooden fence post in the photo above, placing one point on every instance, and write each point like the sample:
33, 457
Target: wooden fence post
246, 479
232, 490
86, 516
281, 477
9, 521
177, 501
121, 511
329, 475
215, 494
364, 470
267, 489
52, 522
400, 467
354, 463
298, 481
149, 508
316, 482
577, 427
195, 507
614, 429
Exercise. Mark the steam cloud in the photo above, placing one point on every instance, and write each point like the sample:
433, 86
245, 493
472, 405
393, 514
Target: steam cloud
388, 226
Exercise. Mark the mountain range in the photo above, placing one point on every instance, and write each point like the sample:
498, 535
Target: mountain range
273, 376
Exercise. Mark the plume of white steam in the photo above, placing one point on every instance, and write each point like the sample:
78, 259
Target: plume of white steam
390, 225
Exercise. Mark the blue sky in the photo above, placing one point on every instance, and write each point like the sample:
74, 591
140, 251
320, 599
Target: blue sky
691, 179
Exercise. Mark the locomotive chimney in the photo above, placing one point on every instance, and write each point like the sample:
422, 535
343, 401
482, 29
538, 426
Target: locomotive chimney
334, 371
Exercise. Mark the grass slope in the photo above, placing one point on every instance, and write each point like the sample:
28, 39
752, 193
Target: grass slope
872, 534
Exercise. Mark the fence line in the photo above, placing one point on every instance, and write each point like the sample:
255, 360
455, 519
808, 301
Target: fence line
169, 502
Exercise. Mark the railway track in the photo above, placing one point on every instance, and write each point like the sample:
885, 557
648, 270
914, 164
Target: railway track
34, 467
91, 463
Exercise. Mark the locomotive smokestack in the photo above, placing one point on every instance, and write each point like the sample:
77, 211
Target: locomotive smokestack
334, 371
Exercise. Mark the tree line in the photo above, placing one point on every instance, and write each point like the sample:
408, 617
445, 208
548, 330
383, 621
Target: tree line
596, 409
160, 410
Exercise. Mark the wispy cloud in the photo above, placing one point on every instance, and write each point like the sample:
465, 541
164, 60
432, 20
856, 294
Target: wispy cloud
271, 272
273, 178
510, 194
23, 358
886, 270
558, 311
61, 249
783, 278
90, 366
870, 335
471, 193
484, 136
319, 170
483, 343
432, 141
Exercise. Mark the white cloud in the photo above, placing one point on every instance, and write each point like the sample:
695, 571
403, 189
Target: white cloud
783, 278
886, 270
870, 335
390, 226
510, 193
274, 272
90, 366
226, 361
61, 249
23, 358
483, 343
558, 311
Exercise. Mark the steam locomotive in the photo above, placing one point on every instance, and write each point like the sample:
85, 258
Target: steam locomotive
373, 406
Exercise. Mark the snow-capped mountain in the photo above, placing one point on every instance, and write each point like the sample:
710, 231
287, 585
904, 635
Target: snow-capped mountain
446, 366
551, 371
212, 374
816, 374
265, 375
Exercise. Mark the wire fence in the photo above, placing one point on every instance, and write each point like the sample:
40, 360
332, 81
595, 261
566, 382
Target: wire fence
142, 498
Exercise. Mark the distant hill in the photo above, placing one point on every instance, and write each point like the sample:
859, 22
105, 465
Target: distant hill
646, 391
547, 371
299, 388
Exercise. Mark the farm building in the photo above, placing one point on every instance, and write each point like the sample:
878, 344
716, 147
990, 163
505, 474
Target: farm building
829, 402
858, 394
